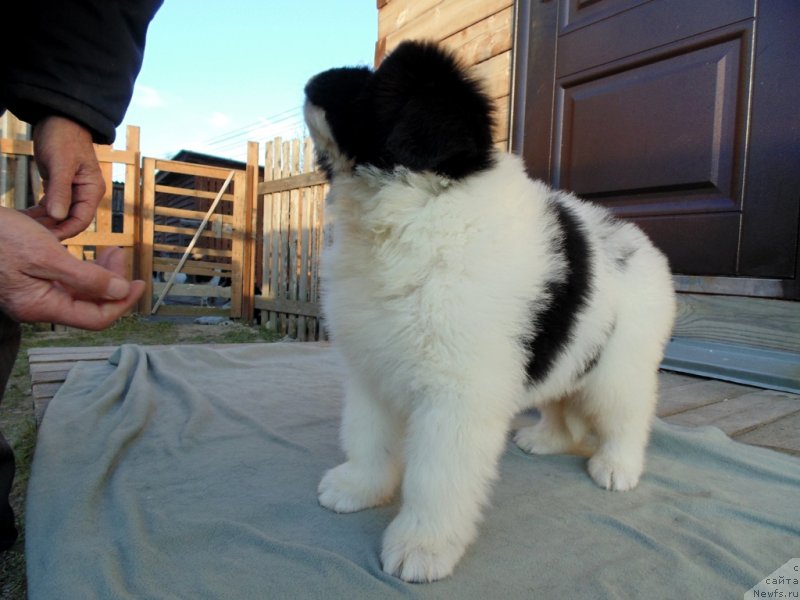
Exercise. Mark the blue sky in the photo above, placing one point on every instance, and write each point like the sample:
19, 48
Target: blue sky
217, 74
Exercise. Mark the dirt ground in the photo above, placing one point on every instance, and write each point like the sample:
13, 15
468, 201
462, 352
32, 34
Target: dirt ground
17, 415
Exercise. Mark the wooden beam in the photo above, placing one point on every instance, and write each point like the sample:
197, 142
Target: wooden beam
192, 169
291, 307
194, 290
146, 247
100, 238
291, 183
179, 191
195, 252
182, 213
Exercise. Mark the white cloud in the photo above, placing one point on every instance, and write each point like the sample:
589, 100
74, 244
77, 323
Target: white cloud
147, 97
219, 120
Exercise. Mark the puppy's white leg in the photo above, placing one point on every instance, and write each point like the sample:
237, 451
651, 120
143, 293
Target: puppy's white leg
371, 438
621, 405
550, 435
451, 460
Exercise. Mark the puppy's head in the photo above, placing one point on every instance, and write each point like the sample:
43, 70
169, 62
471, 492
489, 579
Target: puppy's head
419, 110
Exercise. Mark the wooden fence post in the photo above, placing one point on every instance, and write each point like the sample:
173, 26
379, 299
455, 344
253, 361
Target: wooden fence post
130, 218
251, 212
147, 212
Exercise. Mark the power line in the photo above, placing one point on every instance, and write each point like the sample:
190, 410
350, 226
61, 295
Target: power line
291, 113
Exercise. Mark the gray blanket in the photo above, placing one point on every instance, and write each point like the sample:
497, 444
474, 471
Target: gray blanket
192, 472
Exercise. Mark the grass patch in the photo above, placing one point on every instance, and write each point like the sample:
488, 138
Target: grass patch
17, 415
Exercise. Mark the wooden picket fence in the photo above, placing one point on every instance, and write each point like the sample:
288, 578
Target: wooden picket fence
290, 218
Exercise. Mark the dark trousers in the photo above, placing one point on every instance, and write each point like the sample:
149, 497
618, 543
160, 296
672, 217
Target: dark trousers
9, 346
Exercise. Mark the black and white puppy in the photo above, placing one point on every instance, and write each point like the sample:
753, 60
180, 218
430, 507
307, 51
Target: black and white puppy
460, 292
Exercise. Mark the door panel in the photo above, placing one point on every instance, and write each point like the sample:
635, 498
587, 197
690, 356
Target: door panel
624, 28
677, 114
628, 140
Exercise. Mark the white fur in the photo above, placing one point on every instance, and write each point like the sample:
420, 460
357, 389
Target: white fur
429, 287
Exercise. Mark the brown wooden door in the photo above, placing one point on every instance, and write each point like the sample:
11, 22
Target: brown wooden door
681, 115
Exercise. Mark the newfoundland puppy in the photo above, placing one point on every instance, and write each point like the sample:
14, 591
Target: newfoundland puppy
461, 292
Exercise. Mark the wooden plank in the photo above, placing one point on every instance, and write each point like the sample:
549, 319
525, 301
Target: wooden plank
195, 251
318, 242
182, 213
179, 191
194, 290
192, 169
293, 182
46, 390
483, 40
251, 254
305, 241
147, 213
103, 212
272, 228
71, 354
295, 209
444, 19
193, 267
240, 219
48, 350
741, 414
396, 15
112, 155
699, 393
15, 146
288, 307
668, 380
779, 435
51, 375
495, 75
773, 324
105, 154
501, 124
100, 238
283, 275
131, 195
225, 232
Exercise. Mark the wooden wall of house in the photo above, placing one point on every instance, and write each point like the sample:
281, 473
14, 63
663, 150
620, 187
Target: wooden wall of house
480, 32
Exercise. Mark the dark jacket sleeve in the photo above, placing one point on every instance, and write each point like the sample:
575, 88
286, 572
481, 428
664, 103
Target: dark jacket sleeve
74, 58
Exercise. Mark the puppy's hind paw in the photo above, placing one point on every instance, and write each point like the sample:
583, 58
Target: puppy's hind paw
538, 439
346, 489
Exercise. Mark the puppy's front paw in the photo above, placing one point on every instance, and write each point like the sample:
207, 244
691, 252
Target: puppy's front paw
346, 489
614, 473
415, 554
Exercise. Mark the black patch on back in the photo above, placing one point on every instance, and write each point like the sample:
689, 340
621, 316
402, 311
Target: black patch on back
419, 110
555, 324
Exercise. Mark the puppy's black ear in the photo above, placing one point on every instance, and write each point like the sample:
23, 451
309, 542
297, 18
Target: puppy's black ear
337, 88
339, 92
430, 114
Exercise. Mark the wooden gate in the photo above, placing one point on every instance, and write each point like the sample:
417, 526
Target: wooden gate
195, 237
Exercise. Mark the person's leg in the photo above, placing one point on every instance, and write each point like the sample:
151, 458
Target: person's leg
9, 346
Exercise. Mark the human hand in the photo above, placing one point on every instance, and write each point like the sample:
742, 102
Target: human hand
41, 281
73, 182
